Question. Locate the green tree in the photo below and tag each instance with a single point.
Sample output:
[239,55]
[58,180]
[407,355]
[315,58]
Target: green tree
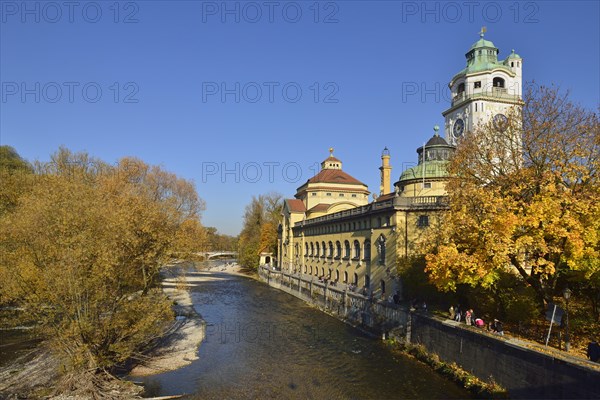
[259,231]
[15,178]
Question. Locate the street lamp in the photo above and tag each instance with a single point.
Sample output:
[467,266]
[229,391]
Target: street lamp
[567,296]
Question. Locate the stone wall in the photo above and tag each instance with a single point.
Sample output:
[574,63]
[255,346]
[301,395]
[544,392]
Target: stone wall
[524,372]
[376,315]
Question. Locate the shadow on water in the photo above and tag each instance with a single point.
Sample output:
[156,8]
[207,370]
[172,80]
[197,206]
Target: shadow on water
[263,343]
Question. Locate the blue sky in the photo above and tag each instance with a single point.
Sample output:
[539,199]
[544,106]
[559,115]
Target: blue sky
[245,98]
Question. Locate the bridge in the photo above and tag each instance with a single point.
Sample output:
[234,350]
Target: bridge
[219,253]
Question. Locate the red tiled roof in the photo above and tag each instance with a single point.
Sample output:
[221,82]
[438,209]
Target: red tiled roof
[386,196]
[295,205]
[334,176]
[320,207]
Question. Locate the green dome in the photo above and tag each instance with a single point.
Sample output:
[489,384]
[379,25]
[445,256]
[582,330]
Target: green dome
[433,169]
[482,43]
[513,55]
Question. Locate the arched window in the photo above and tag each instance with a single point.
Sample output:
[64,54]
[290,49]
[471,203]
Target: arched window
[381,249]
[337,275]
[324,249]
[311,270]
[318,248]
[382,284]
[367,250]
[322,271]
[355,279]
[338,249]
[330,250]
[346,249]
[461,88]
[305,269]
[305,249]
[345,276]
[367,281]
[312,249]
[357,249]
[498,82]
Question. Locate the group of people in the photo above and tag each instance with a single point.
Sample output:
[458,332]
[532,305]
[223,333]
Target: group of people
[470,318]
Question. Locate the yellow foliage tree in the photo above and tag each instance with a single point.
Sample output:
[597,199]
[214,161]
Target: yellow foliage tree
[82,249]
[523,198]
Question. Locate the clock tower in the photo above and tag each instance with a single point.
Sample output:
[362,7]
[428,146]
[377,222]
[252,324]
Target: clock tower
[485,89]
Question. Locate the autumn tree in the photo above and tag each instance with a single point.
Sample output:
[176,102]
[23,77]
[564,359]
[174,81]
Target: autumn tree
[82,249]
[15,178]
[523,199]
[259,231]
[218,241]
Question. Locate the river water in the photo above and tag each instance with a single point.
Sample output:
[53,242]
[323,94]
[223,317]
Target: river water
[262,343]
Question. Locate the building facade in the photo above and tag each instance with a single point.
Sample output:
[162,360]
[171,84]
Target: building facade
[330,229]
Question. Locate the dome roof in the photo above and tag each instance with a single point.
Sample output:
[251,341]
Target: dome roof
[433,170]
[513,55]
[436,140]
[482,43]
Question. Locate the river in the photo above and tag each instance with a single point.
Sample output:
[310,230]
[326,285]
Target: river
[263,343]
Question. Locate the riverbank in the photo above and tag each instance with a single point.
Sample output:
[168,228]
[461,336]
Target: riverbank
[180,346]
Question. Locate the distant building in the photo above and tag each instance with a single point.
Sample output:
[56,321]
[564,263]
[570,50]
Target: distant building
[331,230]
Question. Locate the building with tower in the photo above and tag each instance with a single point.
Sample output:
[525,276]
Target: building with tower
[330,229]
[485,89]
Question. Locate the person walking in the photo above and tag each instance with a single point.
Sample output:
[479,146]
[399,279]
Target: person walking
[468,316]
[457,311]
[593,351]
[451,312]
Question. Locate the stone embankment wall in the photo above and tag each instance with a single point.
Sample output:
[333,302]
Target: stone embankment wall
[524,372]
[354,308]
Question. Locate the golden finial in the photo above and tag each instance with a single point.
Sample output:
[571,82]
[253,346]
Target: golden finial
[482,31]
[331,151]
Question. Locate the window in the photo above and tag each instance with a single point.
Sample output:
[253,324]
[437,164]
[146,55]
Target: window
[367,250]
[367,281]
[427,185]
[475,107]
[498,82]
[337,275]
[477,85]
[338,249]
[318,250]
[423,221]
[313,194]
[327,194]
[341,194]
[356,279]
[353,194]
[461,88]
[346,249]
[312,249]
[381,249]
[382,284]
[512,63]
[356,249]
[330,249]
[345,276]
